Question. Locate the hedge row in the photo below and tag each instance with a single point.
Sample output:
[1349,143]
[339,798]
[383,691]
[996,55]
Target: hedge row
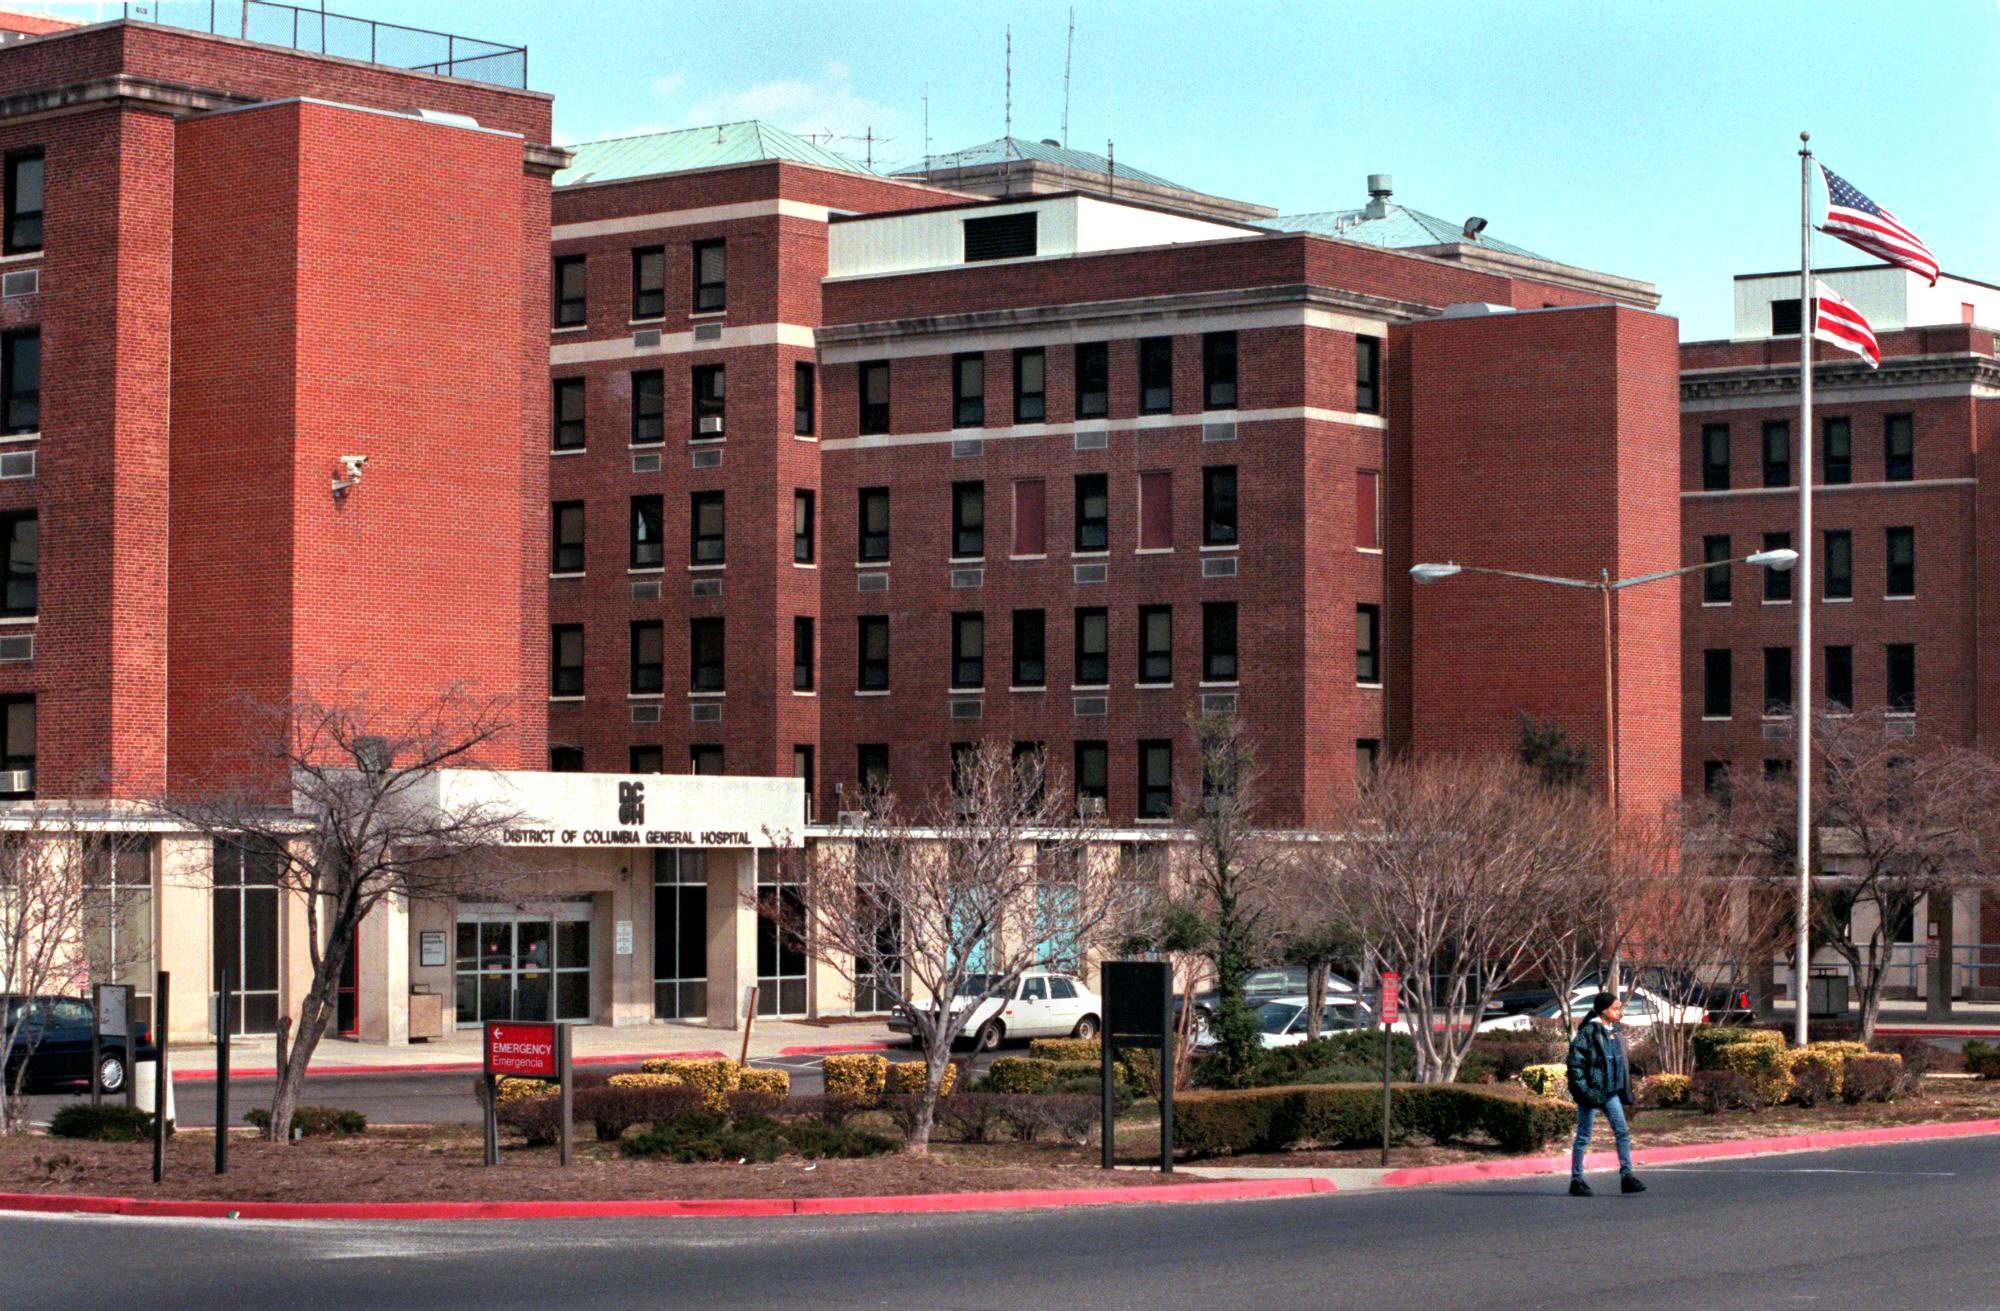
[1982,1058]
[865,1076]
[314,1121]
[1350,1115]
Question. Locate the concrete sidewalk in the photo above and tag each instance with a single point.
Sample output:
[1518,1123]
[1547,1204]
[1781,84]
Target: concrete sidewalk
[1969,1019]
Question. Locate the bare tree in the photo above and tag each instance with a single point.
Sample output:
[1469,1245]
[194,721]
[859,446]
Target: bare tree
[367,821]
[944,903]
[45,900]
[1310,920]
[1588,916]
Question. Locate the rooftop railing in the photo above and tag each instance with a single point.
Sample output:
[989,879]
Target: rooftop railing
[317,31]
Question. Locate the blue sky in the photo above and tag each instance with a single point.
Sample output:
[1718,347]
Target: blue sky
[1656,140]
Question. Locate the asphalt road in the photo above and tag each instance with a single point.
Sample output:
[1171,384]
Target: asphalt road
[1874,1229]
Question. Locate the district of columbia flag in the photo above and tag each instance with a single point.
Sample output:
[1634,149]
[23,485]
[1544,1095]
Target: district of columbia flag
[1839,324]
[1865,225]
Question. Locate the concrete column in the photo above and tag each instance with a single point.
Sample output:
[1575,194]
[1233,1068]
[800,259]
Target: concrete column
[636,970]
[182,935]
[732,935]
[384,978]
[1938,972]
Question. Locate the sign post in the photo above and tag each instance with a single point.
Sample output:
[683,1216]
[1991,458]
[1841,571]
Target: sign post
[160,1074]
[1389,1000]
[525,1051]
[222,1077]
[1138,1012]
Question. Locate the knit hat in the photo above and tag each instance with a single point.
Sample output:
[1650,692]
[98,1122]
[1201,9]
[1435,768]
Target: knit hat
[1601,1003]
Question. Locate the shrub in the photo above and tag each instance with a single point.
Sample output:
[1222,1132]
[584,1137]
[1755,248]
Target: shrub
[1350,1115]
[1512,1057]
[1708,1040]
[314,1121]
[817,1141]
[1067,1051]
[755,1079]
[1021,1074]
[907,1077]
[1871,1079]
[1921,1057]
[1716,1091]
[977,1117]
[854,1074]
[111,1122]
[1546,1080]
[537,1119]
[1662,1091]
[829,1110]
[1982,1058]
[1282,1066]
[1814,1082]
[510,1089]
[1138,1068]
[1766,1066]
[752,1101]
[715,1077]
[616,1107]
[1072,1117]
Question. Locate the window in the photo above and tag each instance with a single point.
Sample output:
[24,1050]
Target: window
[802,527]
[968,649]
[649,550]
[568,414]
[1156,644]
[649,656]
[1368,644]
[649,282]
[21,360]
[1901,546]
[1218,505]
[24,203]
[1093,380]
[871,766]
[1785,319]
[872,645]
[1218,641]
[968,520]
[1218,371]
[802,653]
[1715,578]
[566,660]
[646,760]
[802,768]
[705,519]
[118,913]
[805,389]
[874,540]
[872,387]
[1003,236]
[1840,677]
[711,267]
[17,539]
[1837,452]
[1093,647]
[1368,375]
[569,291]
[1839,564]
[1899,448]
[1777,453]
[705,654]
[964,764]
[17,741]
[1093,771]
[1156,375]
[566,537]
[707,380]
[1156,778]
[1902,668]
[1715,684]
[1031,535]
[1030,649]
[1156,511]
[1367,510]
[1093,512]
[1714,778]
[565,760]
[1777,582]
[1777,768]
[1367,754]
[244,904]
[1777,680]
[1031,385]
[705,758]
[649,408]
[1715,457]
[680,934]
[968,390]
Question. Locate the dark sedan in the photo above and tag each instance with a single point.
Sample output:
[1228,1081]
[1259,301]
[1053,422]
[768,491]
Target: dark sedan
[52,1037]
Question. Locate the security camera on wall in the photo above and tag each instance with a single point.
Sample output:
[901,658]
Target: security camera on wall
[352,466]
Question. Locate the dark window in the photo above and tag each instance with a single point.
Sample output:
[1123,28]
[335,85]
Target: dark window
[649,549]
[1785,321]
[1777,582]
[568,414]
[1004,236]
[874,539]
[1031,536]
[802,768]
[569,291]
[707,380]
[1093,771]
[1218,641]
[649,407]
[968,390]
[1367,643]
[804,399]
[1777,453]
[649,282]
[1899,448]
[1218,371]
[1030,648]
[1156,510]
[1714,457]
[1368,375]
[1840,676]
[1093,647]
[21,360]
[1031,385]
[1715,578]
[802,653]
[705,758]
[1839,564]
[1093,512]
[705,519]
[1716,689]
[1156,779]
[1156,644]
[1367,754]
[1156,375]
[649,656]
[1901,546]
[1093,380]
[705,654]
[871,766]
[803,549]
[24,202]
[1837,452]
[1777,680]
[647,760]
[566,537]
[968,649]
[566,760]
[1778,768]
[1902,667]
[1218,505]
[17,538]
[711,268]
[566,660]
[872,386]
[1714,778]
[968,520]
[872,665]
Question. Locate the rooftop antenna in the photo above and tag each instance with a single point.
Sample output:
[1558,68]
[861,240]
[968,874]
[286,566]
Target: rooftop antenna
[927,127]
[1110,168]
[1007,134]
[1069,50]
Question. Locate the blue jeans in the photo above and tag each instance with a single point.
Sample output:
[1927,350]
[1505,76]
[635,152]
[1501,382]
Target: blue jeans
[1614,1111]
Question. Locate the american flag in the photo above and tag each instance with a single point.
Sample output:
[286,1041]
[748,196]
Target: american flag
[1863,224]
[1840,324]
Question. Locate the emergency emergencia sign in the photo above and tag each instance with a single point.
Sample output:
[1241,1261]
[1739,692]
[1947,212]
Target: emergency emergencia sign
[523,1050]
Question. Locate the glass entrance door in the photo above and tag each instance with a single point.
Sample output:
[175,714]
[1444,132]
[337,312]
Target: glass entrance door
[523,965]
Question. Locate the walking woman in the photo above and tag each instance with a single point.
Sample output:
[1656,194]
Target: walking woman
[1600,1080]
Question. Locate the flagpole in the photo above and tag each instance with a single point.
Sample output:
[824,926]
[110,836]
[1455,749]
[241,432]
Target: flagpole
[1802,699]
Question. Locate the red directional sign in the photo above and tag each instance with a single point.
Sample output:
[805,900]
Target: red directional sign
[1392,995]
[524,1050]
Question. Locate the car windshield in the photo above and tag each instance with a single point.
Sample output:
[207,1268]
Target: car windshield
[977,985]
[1277,1016]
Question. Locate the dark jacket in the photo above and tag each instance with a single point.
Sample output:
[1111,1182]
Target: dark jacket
[1597,1073]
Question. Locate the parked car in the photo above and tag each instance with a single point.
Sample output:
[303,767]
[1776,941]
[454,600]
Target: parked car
[1039,1005]
[1261,986]
[1643,1009]
[53,1040]
[1281,1022]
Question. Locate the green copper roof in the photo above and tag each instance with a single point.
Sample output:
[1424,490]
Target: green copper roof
[1005,148]
[695,147]
[1399,229]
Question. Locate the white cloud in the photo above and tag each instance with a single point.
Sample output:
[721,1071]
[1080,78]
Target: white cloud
[826,103]
[669,84]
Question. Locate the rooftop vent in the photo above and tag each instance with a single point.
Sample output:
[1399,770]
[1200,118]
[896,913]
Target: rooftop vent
[1051,141]
[1473,227]
[1380,187]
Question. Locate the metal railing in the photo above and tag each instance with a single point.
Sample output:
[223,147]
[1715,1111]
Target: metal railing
[317,31]
[1974,966]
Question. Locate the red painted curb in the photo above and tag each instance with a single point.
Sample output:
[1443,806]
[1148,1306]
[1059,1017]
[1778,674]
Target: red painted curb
[1226,1190]
[439,1067]
[837,1049]
[1938,1030]
[1800,1142]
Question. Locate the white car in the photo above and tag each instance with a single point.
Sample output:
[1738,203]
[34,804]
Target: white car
[1644,1008]
[1281,1022]
[1039,1005]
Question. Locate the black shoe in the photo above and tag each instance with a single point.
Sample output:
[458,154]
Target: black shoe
[1630,1184]
[1578,1188]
